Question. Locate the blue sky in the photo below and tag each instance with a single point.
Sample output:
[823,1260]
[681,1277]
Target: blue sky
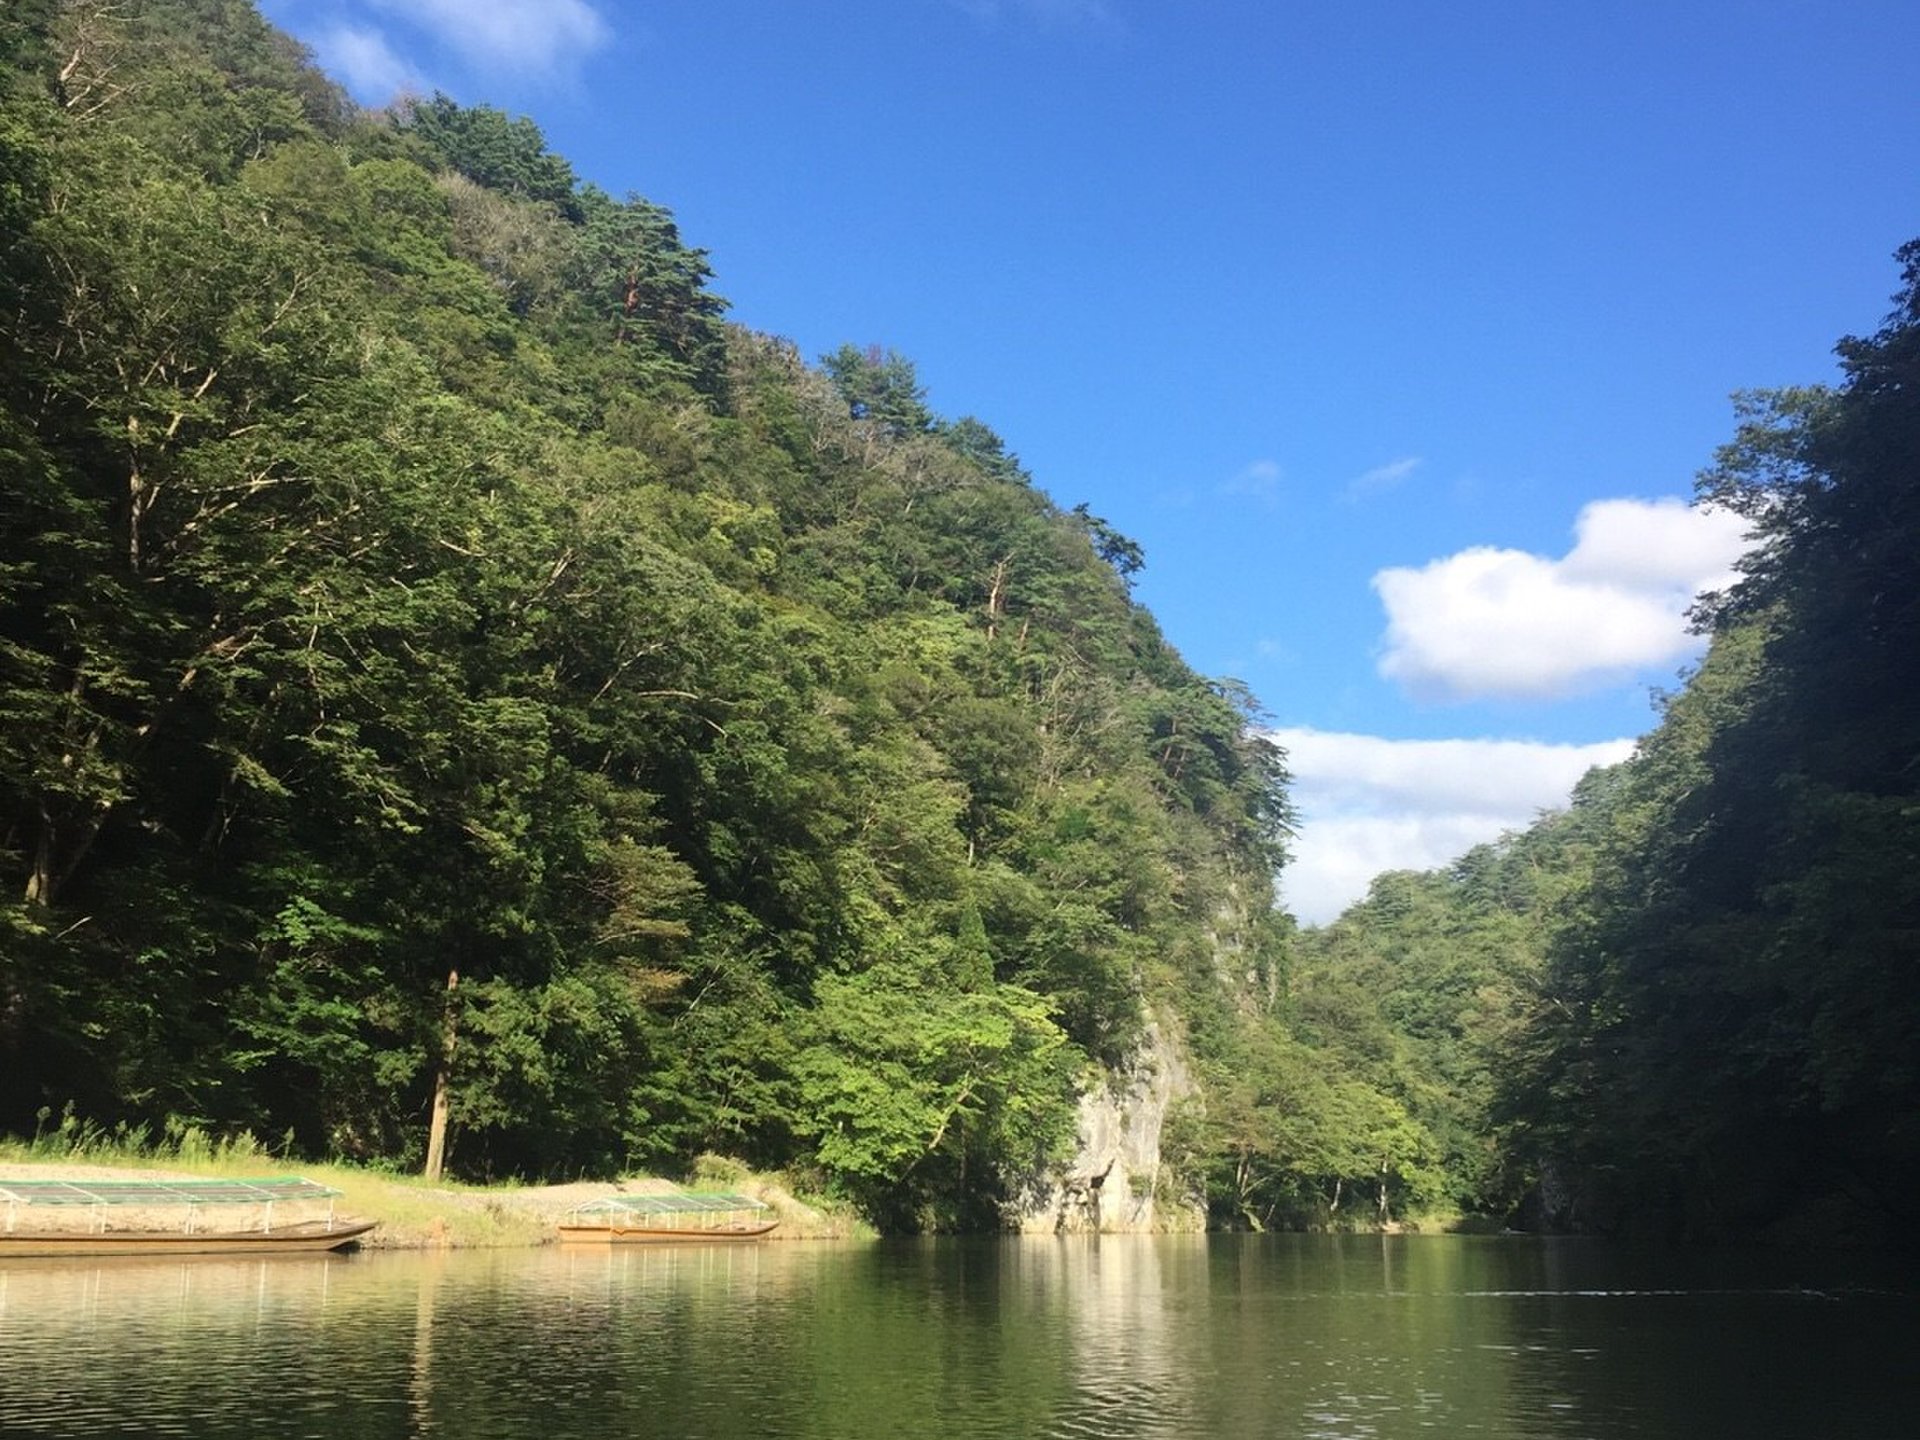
[1394,332]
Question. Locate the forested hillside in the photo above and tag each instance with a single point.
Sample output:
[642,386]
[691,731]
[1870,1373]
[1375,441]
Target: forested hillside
[1426,987]
[464,704]
[1691,1004]
[447,673]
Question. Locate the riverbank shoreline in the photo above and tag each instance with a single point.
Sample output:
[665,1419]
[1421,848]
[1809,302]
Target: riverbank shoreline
[412,1214]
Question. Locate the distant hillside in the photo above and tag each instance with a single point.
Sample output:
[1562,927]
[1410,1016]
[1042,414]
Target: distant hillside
[1691,1005]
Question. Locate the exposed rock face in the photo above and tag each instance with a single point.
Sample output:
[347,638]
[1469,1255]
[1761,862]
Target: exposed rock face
[1115,1183]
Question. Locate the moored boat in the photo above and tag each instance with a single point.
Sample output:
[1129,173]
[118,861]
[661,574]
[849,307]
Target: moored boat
[683,1217]
[46,1218]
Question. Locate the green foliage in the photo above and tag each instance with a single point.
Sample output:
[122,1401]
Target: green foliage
[1423,988]
[494,150]
[25,39]
[1124,555]
[881,389]
[904,1074]
[1292,1133]
[644,290]
[1732,1021]
[435,648]
[1688,1005]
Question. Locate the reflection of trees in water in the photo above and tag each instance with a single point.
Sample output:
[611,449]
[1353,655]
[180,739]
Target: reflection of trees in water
[420,1373]
[1134,1364]
[1218,1336]
[135,1346]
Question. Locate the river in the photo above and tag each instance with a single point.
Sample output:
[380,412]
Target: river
[1224,1335]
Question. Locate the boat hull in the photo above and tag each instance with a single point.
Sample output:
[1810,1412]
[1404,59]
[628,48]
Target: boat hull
[288,1239]
[663,1235]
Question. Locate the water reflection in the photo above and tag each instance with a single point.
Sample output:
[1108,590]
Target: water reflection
[1087,1335]
[132,1346]
[1127,1349]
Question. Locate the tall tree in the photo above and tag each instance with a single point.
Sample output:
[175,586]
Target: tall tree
[1739,1007]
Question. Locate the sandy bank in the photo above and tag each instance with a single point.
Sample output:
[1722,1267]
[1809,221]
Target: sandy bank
[415,1215]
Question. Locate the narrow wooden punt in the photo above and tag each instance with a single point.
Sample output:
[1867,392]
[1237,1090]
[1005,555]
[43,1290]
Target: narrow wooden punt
[309,1236]
[684,1217]
[87,1208]
[619,1234]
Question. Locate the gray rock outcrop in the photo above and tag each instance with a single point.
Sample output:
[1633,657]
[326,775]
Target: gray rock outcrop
[1116,1181]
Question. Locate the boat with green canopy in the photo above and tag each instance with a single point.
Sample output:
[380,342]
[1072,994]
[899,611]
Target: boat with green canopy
[682,1217]
[171,1217]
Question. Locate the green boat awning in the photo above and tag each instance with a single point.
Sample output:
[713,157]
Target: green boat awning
[684,1202]
[163,1192]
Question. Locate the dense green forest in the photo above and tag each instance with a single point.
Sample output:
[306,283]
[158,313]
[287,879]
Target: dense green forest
[448,672]
[1690,1004]
[464,703]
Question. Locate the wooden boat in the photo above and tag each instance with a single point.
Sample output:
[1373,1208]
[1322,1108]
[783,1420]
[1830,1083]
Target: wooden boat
[85,1210]
[681,1218]
[286,1239]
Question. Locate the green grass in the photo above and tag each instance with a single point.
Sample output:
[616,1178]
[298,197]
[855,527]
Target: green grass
[412,1213]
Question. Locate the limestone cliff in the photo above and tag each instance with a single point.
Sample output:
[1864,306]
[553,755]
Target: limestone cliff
[1115,1182]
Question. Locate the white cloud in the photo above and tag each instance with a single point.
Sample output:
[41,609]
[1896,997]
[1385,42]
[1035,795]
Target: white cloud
[1494,622]
[1658,545]
[536,37]
[1259,478]
[1383,477]
[1368,804]
[366,63]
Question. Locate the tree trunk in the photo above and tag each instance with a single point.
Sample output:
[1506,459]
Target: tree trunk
[40,877]
[443,1081]
[996,596]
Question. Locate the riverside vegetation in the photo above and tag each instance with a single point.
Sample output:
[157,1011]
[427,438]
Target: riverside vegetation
[465,705]
[413,1213]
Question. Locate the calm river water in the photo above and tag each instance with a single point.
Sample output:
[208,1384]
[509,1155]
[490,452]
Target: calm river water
[1228,1336]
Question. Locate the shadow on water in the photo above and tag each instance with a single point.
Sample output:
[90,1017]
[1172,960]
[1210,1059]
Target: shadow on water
[1112,1336]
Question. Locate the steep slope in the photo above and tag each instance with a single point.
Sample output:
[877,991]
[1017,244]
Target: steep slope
[1691,1005]
[462,702]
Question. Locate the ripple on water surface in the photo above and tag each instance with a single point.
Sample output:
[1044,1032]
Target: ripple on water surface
[1176,1336]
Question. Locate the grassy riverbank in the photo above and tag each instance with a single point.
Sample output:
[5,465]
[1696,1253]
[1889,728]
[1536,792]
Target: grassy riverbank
[413,1214]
